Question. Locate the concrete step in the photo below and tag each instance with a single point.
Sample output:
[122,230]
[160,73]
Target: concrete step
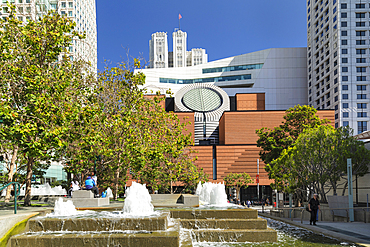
[214,214]
[231,235]
[153,223]
[244,224]
[154,239]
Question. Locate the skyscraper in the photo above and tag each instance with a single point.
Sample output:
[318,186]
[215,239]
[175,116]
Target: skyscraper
[160,57]
[338,59]
[82,12]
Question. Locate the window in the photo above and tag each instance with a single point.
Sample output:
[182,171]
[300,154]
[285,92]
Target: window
[336,125]
[70,13]
[344,60]
[360,33]
[344,78]
[344,42]
[335,80]
[361,105]
[360,42]
[345,96]
[360,60]
[360,24]
[20,18]
[344,51]
[343,6]
[64,5]
[343,24]
[344,33]
[335,89]
[361,114]
[361,69]
[360,6]
[336,98]
[362,126]
[345,105]
[360,51]
[361,78]
[344,69]
[345,114]
[335,72]
[360,15]
[70,4]
[361,87]
[345,123]
[344,87]
[342,15]
[336,107]
[328,103]
[361,96]
[62,12]
[20,10]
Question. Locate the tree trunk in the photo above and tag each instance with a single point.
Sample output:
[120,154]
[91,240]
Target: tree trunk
[116,184]
[344,188]
[11,173]
[27,196]
[171,188]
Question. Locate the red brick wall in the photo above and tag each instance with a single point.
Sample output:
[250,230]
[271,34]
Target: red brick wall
[250,101]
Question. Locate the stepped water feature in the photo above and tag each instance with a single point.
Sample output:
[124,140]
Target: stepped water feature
[138,224]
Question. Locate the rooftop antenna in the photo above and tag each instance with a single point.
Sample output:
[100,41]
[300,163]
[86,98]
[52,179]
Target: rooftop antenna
[179,21]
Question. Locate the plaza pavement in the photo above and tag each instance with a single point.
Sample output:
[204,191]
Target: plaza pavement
[355,232]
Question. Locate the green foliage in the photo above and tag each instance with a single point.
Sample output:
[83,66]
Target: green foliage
[296,120]
[318,161]
[41,88]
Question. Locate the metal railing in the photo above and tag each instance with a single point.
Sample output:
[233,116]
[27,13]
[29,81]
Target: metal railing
[281,213]
[17,191]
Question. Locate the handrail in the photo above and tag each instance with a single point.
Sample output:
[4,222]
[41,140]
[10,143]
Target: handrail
[17,191]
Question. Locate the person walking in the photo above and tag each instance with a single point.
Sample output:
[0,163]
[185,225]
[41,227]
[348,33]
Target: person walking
[313,207]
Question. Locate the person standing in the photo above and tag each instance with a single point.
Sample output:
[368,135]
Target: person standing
[74,186]
[313,207]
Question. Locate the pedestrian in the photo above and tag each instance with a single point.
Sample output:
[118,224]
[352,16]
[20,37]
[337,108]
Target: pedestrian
[249,203]
[91,185]
[313,207]
[74,186]
[95,178]
[267,202]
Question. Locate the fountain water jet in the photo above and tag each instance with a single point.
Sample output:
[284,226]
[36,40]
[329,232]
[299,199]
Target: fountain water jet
[212,193]
[138,201]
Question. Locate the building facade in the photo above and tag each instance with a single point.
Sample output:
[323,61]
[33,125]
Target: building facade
[338,59]
[279,73]
[160,57]
[82,12]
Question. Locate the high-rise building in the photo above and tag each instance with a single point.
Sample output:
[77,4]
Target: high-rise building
[80,11]
[158,50]
[338,59]
[160,57]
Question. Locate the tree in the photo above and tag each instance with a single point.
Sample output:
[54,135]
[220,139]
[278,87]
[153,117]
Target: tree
[317,161]
[296,120]
[41,88]
[238,180]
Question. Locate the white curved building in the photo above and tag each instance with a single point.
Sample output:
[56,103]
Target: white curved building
[279,73]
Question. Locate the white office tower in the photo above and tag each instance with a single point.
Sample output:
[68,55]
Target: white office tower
[158,50]
[338,59]
[179,48]
[83,12]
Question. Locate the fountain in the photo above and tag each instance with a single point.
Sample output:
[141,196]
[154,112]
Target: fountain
[44,190]
[138,224]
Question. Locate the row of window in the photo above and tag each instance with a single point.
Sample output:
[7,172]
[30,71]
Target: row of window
[233,68]
[361,126]
[357,5]
[19,1]
[64,4]
[206,80]
[359,87]
[346,114]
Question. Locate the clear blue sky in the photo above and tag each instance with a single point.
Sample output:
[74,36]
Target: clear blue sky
[223,27]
